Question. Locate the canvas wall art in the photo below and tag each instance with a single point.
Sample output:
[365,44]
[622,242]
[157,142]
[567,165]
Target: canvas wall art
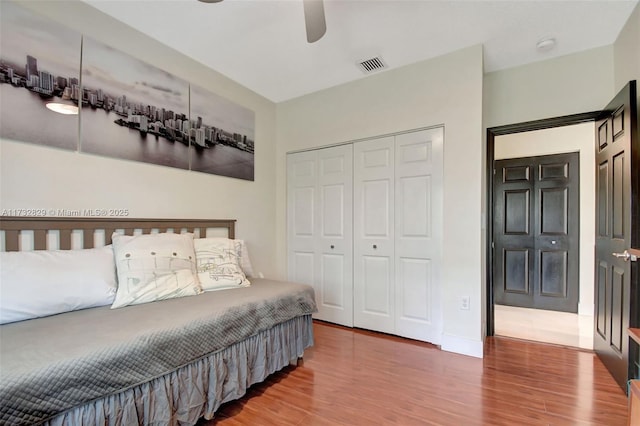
[222,135]
[132,110]
[129,109]
[39,64]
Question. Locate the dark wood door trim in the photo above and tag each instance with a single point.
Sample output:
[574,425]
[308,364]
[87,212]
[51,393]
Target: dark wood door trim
[492,132]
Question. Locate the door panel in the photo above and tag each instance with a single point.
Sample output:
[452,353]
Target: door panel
[517,173]
[334,244]
[536,232]
[374,234]
[602,196]
[418,234]
[332,207]
[414,292]
[553,211]
[301,216]
[301,267]
[332,281]
[377,285]
[554,171]
[603,297]
[319,215]
[303,212]
[617,307]
[414,194]
[516,271]
[617,182]
[516,212]
[554,269]
[618,195]
[376,196]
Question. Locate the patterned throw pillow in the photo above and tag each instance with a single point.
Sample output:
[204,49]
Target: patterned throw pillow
[154,267]
[218,264]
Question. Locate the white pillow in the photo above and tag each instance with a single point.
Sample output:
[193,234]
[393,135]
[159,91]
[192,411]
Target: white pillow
[46,282]
[218,262]
[154,267]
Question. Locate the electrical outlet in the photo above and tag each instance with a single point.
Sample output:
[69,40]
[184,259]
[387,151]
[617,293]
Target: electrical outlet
[465,303]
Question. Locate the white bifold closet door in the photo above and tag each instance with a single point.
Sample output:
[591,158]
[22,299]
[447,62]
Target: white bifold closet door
[373,208]
[320,233]
[419,237]
[398,234]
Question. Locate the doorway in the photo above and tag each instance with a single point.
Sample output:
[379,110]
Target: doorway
[544,138]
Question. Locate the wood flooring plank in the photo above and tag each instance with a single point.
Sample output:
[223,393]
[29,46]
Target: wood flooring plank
[355,377]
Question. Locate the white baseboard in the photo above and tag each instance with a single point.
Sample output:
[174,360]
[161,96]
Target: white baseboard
[462,345]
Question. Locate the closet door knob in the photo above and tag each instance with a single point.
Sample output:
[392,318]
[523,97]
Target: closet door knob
[375,246]
[332,246]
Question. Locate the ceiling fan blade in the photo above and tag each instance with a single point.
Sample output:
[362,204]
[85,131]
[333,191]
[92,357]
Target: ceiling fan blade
[314,19]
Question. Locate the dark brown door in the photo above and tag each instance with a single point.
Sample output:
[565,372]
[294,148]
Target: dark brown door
[617,222]
[536,232]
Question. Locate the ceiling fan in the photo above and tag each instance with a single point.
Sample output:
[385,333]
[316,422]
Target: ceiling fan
[313,18]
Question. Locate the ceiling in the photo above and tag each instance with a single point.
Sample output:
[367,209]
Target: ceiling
[262,45]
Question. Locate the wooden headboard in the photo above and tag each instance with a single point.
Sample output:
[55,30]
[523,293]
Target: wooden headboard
[64,227]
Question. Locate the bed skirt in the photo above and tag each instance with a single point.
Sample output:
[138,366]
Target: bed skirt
[198,389]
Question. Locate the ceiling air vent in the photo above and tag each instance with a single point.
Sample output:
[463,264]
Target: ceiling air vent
[371,65]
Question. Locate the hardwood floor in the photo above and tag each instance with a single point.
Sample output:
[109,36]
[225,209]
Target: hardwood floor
[355,377]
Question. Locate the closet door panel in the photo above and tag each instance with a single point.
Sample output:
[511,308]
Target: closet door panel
[418,234]
[301,216]
[374,270]
[414,289]
[334,245]
[302,267]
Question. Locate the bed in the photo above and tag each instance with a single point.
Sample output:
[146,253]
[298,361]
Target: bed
[166,362]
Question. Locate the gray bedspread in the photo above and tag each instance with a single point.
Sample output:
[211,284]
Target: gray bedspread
[51,364]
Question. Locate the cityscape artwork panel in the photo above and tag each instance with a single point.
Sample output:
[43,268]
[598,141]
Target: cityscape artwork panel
[128,109]
[132,110]
[39,64]
[222,135]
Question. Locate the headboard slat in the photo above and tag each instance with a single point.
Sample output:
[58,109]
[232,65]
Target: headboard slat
[108,232]
[87,238]
[11,240]
[40,239]
[13,225]
[65,239]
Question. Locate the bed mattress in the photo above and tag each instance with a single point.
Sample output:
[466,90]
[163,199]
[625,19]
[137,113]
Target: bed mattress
[52,364]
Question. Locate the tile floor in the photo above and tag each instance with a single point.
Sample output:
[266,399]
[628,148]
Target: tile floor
[560,328]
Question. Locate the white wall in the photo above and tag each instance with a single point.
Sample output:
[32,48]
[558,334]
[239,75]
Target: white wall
[38,177]
[446,90]
[576,138]
[626,51]
[571,84]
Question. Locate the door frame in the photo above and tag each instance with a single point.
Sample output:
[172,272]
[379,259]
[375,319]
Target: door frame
[492,132]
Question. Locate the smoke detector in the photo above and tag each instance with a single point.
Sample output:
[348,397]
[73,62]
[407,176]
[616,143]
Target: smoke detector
[546,44]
